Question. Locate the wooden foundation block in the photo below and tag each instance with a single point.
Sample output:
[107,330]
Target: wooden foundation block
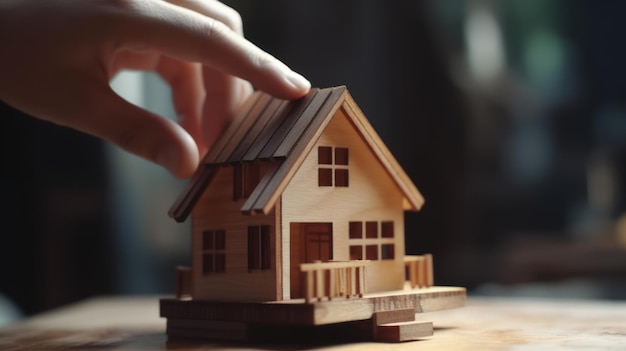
[403,331]
[393,316]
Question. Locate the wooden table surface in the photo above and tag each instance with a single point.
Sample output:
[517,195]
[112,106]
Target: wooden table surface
[132,323]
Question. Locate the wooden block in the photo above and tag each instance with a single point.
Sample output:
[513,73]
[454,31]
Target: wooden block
[403,331]
[394,316]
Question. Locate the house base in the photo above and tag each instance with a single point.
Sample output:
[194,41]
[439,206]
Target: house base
[388,317]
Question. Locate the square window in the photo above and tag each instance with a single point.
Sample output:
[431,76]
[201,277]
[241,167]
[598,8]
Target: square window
[386,229]
[325,155]
[325,177]
[356,252]
[341,156]
[371,252]
[259,250]
[207,240]
[341,177]
[220,240]
[356,230]
[371,229]
[387,252]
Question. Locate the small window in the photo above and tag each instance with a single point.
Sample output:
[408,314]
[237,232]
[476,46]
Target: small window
[356,252]
[325,176]
[371,229]
[259,247]
[329,166]
[341,177]
[356,230]
[387,252]
[213,255]
[325,155]
[371,252]
[341,156]
[246,177]
[387,229]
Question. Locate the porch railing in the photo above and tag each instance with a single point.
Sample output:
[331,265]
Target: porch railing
[419,270]
[333,279]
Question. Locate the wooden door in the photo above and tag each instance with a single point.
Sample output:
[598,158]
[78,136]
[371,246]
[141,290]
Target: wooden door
[310,242]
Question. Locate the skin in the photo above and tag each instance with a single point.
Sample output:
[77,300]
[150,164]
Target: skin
[58,57]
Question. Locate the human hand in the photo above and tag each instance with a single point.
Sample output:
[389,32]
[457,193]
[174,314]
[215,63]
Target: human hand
[58,57]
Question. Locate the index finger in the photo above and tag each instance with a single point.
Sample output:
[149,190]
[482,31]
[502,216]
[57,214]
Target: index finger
[187,35]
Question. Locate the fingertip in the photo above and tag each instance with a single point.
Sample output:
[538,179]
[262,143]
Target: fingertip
[286,84]
[298,84]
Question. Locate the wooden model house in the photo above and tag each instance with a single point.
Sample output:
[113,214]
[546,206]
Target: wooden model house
[300,204]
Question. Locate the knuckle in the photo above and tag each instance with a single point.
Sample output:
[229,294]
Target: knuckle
[216,29]
[233,20]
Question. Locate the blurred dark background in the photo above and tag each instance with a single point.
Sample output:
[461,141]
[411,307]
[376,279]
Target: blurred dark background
[509,116]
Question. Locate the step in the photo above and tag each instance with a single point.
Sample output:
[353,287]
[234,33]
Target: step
[403,331]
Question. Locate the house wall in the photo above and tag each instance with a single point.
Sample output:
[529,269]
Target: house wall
[371,196]
[217,210]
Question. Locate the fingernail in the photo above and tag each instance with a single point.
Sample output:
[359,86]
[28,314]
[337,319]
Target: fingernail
[168,157]
[297,81]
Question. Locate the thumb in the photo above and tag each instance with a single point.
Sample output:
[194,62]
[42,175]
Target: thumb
[141,132]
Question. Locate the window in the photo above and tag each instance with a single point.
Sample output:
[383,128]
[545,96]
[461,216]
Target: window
[371,252]
[387,252]
[356,252]
[333,167]
[371,230]
[213,251]
[246,177]
[356,230]
[387,229]
[371,240]
[258,247]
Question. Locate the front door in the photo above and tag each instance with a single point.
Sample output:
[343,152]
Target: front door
[310,242]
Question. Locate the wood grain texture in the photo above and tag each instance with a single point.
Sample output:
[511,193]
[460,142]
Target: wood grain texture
[413,196]
[371,196]
[217,211]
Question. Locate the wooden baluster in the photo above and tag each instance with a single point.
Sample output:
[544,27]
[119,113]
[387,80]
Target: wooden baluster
[430,279]
[319,281]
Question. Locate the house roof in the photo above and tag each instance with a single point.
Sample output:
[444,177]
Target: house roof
[271,129]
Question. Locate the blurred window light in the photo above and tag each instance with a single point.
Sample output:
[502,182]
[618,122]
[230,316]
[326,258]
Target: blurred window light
[485,50]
